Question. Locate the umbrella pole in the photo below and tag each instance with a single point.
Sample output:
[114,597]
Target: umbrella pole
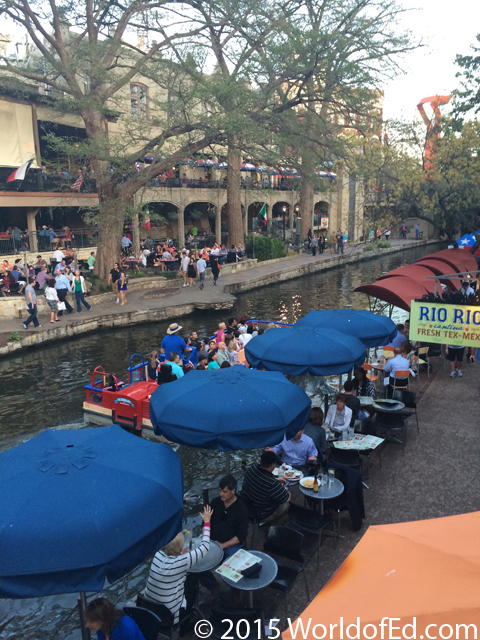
[82,606]
[227,462]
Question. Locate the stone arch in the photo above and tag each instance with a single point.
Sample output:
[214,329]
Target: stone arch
[321,210]
[204,221]
[254,222]
[169,212]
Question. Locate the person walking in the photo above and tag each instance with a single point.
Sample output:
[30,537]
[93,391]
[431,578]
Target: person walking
[79,288]
[321,243]
[339,241]
[122,287]
[62,285]
[31,300]
[215,268]
[113,277]
[184,262]
[192,272]
[51,296]
[455,354]
[404,231]
[201,267]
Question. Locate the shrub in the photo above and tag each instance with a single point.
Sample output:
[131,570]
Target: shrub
[370,247]
[14,337]
[264,248]
[383,244]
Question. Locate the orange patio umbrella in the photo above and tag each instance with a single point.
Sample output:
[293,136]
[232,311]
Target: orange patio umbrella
[421,573]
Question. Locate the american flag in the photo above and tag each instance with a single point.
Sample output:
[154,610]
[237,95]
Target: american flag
[77,185]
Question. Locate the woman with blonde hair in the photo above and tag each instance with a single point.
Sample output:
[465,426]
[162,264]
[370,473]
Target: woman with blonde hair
[221,332]
[232,352]
[170,565]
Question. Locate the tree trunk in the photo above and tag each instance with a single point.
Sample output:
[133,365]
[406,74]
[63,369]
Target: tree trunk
[306,206]
[135,234]
[111,213]
[235,223]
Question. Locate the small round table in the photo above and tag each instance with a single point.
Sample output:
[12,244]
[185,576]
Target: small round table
[213,557]
[389,405]
[325,491]
[267,575]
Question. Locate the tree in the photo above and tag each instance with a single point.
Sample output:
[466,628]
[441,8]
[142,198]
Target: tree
[88,69]
[467,98]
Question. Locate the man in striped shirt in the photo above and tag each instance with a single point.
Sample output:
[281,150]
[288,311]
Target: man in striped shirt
[268,495]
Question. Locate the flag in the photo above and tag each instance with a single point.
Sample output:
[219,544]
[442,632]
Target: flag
[20,173]
[147,224]
[77,185]
[263,213]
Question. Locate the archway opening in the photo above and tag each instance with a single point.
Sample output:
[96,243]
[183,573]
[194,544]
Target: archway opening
[199,218]
[321,216]
[163,220]
[255,222]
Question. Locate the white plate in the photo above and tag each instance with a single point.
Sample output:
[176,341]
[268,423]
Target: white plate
[303,480]
[287,467]
[298,476]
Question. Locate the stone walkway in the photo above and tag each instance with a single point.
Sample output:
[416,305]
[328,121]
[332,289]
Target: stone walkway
[183,301]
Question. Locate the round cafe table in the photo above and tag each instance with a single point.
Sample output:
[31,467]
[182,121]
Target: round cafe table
[213,557]
[267,575]
[325,491]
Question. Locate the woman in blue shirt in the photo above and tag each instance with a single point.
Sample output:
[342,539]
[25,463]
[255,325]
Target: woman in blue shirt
[110,623]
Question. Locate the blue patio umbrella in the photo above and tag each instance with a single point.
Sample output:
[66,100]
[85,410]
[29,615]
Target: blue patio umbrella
[81,506]
[304,351]
[229,409]
[371,329]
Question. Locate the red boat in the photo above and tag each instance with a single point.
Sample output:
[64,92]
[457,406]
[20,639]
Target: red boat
[112,401]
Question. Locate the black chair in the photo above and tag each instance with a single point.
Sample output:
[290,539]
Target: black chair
[309,521]
[286,543]
[165,374]
[350,458]
[409,399]
[228,622]
[148,622]
[389,424]
[253,518]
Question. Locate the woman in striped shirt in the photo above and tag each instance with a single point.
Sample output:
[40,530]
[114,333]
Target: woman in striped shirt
[166,581]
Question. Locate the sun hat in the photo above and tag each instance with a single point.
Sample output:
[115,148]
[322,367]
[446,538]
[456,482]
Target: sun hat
[173,328]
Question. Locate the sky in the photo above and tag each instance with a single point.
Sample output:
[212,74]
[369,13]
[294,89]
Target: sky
[445,28]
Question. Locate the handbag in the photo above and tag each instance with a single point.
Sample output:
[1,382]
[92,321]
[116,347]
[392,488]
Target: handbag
[61,306]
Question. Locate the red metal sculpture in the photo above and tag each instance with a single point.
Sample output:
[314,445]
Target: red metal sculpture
[433,128]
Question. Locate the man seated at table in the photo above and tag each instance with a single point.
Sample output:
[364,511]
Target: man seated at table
[399,338]
[297,451]
[267,494]
[339,416]
[229,524]
[353,402]
[397,363]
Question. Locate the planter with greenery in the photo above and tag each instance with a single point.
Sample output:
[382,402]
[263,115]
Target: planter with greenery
[264,248]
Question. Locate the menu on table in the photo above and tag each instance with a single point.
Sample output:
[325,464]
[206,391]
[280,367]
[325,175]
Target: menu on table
[238,562]
[359,443]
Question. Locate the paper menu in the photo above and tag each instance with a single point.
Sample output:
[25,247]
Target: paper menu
[359,443]
[238,562]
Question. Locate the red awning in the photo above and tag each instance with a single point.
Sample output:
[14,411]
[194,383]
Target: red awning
[420,274]
[459,259]
[397,290]
[439,268]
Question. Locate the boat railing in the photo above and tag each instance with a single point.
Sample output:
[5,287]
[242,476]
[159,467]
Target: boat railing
[138,372]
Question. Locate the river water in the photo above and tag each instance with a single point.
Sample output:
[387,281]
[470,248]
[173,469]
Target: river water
[43,388]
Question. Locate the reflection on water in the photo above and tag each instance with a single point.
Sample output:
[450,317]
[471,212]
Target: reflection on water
[43,388]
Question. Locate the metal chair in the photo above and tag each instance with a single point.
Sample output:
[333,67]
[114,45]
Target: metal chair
[401,374]
[409,399]
[148,622]
[253,518]
[286,543]
[309,521]
[390,423]
[153,617]
[370,375]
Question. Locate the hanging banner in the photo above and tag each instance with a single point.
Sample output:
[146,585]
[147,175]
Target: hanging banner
[324,222]
[457,325]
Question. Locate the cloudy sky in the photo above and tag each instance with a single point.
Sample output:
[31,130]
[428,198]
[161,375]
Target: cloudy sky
[445,28]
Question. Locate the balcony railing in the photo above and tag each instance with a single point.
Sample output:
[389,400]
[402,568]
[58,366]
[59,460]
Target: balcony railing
[292,185]
[11,242]
[36,181]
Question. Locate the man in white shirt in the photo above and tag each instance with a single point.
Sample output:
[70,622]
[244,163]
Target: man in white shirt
[201,266]
[58,255]
[398,363]
[467,289]
[185,261]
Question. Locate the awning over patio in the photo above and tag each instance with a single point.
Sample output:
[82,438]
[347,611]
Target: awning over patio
[397,290]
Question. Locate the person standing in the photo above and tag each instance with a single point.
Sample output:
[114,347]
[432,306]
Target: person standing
[214,267]
[125,244]
[387,234]
[404,231]
[309,238]
[321,243]
[79,288]
[122,287]
[51,296]
[31,300]
[454,354]
[417,231]
[91,260]
[201,267]
[62,285]
[192,272]
[112,279]
[339,241]
[184,262]
[314,245]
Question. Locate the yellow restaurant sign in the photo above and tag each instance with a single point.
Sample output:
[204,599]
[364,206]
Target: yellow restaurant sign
[455,324]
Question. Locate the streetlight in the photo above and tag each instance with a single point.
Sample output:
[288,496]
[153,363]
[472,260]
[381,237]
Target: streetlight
[283,218]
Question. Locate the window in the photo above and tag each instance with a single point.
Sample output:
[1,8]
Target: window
[138,101]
